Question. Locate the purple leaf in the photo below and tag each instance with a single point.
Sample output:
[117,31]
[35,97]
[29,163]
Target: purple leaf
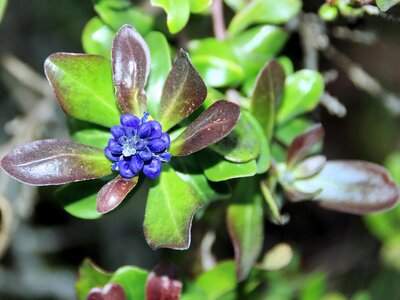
[130,66]
[111,291]
[212,125]
[52,162]
[356,187]
[267,95]
[184,91]
[301,146]
[163,283]
[112,194]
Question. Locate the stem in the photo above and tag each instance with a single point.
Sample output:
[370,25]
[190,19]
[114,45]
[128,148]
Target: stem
[217,14]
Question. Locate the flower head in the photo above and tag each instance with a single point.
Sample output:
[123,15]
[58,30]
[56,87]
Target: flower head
[138,145]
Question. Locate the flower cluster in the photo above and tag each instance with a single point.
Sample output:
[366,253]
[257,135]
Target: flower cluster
[138,145]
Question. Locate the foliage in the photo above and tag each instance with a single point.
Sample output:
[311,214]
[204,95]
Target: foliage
[233,114]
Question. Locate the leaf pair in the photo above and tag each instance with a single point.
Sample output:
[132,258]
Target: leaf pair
[128,283]
[356,187]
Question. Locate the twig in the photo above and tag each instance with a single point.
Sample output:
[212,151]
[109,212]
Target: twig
[217,14]
[333,105]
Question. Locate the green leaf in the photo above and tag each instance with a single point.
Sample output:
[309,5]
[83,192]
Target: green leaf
[197,6]
[184,91]
[130,59]
[328,12]
[178,12]
[264,159]
[133,280]
[384,5]
[216,62]
[254,47]
[92,137]
[245,225]
[205,193]
[302,92]
[53,162]
[392,163]
[287,132]
[314,286]
[217,169]
[80,198]
[160,65]
[170,208]
[242,144]
[267,95]
[272,203]
[224,275]
[3,6]
[264,11]
[83,87]
[115,17]
[236,5]
[356,187]
[89,277]
[97,38]
[215,123]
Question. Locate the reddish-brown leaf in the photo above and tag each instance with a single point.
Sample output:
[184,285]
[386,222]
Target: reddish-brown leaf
[184,91]
[267,95]
[212,125]
[163,283]
[110,291]
[130,66]
[356,187]
[52,162]
[301,146]
[112,194]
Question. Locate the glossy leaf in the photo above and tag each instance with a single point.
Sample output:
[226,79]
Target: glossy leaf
[236,5]
[52,162]
[113,193]
[115,16]
[197,6]
[242,144]
[92,137]
[131,66]
[90,276]
[287,132]
[178,12]
[184,91]
[216,62]
[163,283]
[97,38]
[187,169]
[80,198]
[264,11]
[83,87]
[170,208]
[217,169]
[264,159]
[302,92]
[384,5]
[244,220]
[352,186]
[257,45]
[224,275]
[212,125]
[267,96]
[133,280]
[302,145]
[160,66]
[110,291]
